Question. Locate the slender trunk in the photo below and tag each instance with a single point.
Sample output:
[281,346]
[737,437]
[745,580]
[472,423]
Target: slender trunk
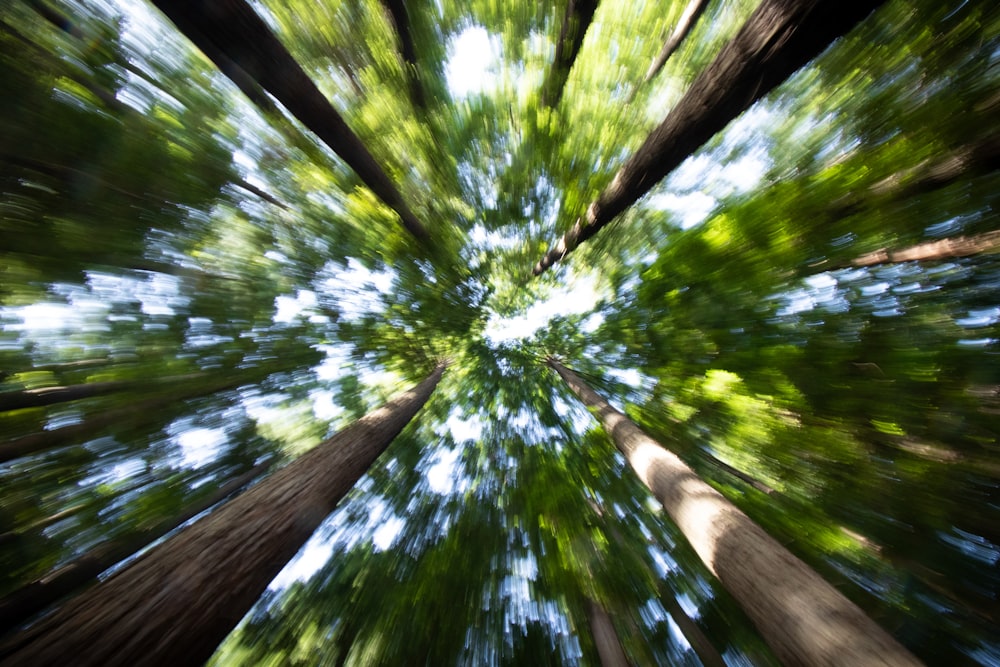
[400,20]
[579,14]
[738,474]
[174,604]
[685,24]
[270,199]
[609,647]
[950,248]
[231,34]
[37,398]
[136,413]
[779,37]
[703,648]
[804,619]
[18,607]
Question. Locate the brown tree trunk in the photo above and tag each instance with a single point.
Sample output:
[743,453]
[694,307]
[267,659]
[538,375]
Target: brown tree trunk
[779,37]
[609,647]
[804,619]
[37,398]
[579,14]
[685,24]
[231,34]
[950,248]
[703,648]
[18,607]
[174,604]
[136,413]
[396,11]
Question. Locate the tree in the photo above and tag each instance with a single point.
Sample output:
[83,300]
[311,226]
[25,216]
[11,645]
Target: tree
[780,37]
[177,602]
[687,21]
[19,606]
[771,584]
[400,21]
[579,14]
[237,40]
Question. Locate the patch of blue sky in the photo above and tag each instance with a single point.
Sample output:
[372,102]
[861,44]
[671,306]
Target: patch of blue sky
[579,295]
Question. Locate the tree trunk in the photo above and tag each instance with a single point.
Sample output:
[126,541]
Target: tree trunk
[579,14]
[37,398]
[231,34]
[136,413]
[950,248]
[804,619]
[396,11]
[703,648]
[685,24]
[779,37]
[174,604]
[609,647]
[19,606]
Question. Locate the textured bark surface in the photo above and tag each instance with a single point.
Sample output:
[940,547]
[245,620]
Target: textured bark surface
[18,607]
[609,647]
[579,14]
[174,604]
[779,37]
[231,34]
[685,24]
[804,619]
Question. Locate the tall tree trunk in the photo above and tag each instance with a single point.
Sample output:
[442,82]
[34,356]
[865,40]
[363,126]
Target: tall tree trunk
[779,37]
[19,606]
[804,619]
[396,12]
[37,398]
[136,413]
[174,604]
[930,251]
[609,647]
[231,34]
[579,14]
[685,24]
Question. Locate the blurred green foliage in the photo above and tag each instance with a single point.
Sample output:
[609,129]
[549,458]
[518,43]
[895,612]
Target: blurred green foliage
[156,224]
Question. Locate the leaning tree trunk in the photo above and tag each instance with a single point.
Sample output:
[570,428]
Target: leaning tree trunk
[174,605]
[683,28]
[930,251]
[400,19]
[135,413]
[19,606]
[37,398]
[609,647]
[579,14]
[779,37]
[804,619]
[231,34]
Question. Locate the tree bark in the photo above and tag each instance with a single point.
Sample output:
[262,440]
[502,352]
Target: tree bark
[950,248]
[609,647]
[804,619]
[231,34]
[396,11]
[579,14]
[779,37]
[19,606]
[685,24]
[37,398]
[174,604]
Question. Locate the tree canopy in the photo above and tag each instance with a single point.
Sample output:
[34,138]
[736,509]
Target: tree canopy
[789,280]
